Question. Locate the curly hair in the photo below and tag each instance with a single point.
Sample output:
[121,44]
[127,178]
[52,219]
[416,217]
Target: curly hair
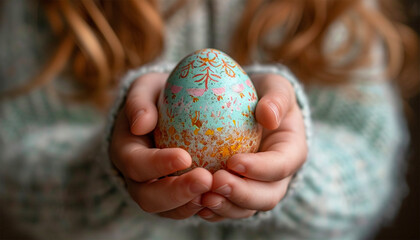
[102,39]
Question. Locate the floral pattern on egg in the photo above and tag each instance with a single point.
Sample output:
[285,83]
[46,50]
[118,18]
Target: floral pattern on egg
[207,108]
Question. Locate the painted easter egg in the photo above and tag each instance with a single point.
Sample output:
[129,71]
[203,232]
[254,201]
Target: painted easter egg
[207,108]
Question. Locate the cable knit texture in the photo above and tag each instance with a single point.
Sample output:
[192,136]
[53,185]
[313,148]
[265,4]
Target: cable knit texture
[56,181]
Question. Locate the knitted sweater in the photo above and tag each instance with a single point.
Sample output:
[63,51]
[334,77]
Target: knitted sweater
[56,181]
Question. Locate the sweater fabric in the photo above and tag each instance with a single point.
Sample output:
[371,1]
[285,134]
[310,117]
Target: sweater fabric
[57,182]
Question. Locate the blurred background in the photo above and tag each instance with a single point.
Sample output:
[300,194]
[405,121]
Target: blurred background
[407,223]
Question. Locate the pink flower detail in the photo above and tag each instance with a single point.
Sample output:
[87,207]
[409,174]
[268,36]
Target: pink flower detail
[249,83]
[175,89]
[218,91]
[238,88]
[196,92]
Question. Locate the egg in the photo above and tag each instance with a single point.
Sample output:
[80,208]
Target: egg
[207,108]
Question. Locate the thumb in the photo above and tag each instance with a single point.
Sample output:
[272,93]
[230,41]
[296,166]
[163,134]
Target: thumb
[277,99]
[140,106]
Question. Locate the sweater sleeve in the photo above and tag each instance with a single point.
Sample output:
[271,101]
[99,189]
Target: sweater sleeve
[49,179]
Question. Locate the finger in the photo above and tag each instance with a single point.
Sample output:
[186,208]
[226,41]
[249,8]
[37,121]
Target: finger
[247,193]
[170,192]
[142,164]
[209,215]
[133,156]
[185,211]
[277,98]
[140,106]
[282,152]
[222,207]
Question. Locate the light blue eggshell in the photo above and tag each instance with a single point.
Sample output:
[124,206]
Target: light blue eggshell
[207,108]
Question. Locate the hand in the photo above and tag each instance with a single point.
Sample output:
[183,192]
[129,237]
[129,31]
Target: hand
[266,174]
[143,167]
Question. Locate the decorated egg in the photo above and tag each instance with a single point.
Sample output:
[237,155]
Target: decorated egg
[207,108]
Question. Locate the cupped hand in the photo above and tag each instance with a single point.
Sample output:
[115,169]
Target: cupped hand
[258,181]
[145,168]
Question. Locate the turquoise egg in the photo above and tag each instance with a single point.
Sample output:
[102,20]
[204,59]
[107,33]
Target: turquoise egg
[207,108]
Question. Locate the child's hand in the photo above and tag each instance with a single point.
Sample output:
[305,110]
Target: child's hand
[267,173]
[131,151]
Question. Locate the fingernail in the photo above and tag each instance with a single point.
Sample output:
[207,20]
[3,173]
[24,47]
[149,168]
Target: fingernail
[179,163]
[224,190]
[275,111]
[217,206]
[239,168]
[198,188]
[208,216]
[195,203]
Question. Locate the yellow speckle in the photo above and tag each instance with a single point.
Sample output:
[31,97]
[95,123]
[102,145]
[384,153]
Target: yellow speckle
[234,122]
[219,129]
[235,147]
[196,131]
[209,132]
[224,151]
